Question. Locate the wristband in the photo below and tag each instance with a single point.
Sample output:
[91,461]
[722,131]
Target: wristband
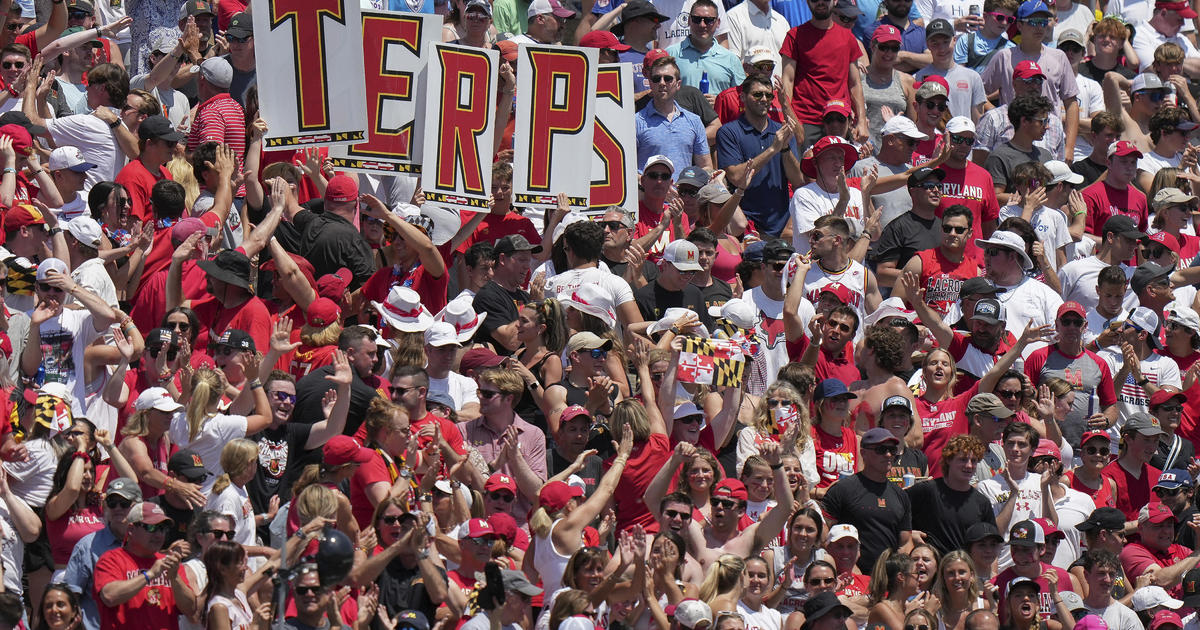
[114,124]
[55,231]
[255,384]
[37,172]
[9,169]
[81,455]
[147,576]
[1143,382]
[776,466]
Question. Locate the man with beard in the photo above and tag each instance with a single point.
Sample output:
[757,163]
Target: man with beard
[944,270]
[830,239]
[1025,299]
[974,352]
[1085,370]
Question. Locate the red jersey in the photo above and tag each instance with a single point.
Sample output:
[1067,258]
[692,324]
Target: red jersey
[1046,605]
[1133,492]
[629,497]
[837,455]
[853,585]
[1102,496]
[138,181]
[939,422]
[1104,201]
[928,148]
[308,358]
[823,58]
[942,278]
[972,187]
[432,290]
[494,227]
[729,105]
[251,316]
[648,219]
[152,608]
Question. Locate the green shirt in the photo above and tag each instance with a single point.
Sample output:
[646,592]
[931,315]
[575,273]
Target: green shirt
[510,17]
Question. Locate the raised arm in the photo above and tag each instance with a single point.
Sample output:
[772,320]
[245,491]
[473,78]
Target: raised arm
[336,422]
[931,318]
[568,534]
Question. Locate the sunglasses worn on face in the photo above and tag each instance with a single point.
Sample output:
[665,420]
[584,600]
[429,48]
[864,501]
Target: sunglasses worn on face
[889,48]
[779,265]
[598,353]
[956,229]
[885,449]
[614,226]
[285,397]
[777,402]
[688,191]
[487,394]
[663,78]
[1032,80]
[118,503]
[1001,18]
[1073,322]
[1170,408]
[155,528]
[1155,252]
[9,65]
[1155,96]
[243,40]
[820,581]
[391,519]
[658,177]
[227,534]
[683,516]
[1092,450]
[700,19]
[308,590]
[46,288]
[727,504]
[957,139]
[692,419]
[994,251]
[1011,395]
[1037,22]
[941,107]
[1165,492]
[506,497]
[929,186]
[761,96]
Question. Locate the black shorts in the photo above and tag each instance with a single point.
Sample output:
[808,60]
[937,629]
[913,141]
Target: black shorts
[37,553]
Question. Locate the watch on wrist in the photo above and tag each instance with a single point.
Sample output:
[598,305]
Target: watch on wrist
[55,230]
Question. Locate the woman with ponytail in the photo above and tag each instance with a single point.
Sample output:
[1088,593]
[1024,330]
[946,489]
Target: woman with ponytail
[239,460]
[227,607]
[893,582]
[340,458]
[542,331]
[556,527]
[203,429]
[723,584]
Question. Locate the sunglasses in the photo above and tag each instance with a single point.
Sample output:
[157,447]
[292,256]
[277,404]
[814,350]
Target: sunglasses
[1032,80]
[1040,121]
[391,519]
[118,503]
[688,191]
[955,229]
[995,251]
[658,177]
[910,626]
[940,106]
[225,351]
[957,139]
[662,78]
[1092,450]
[615,226]
[1170,408]
[761,96]
[46,288]
[845,19]
[9,65]
[1164,492]
[683,516]
[821,581]
[727,504]
[765,66]
[227,534]
[885,449]
[890,48]
[180,326]
[929,186]
[598,353]
[1038,461]
[487,394]
[506,497]
[155,528]
[777,402]
[482,541]
[243,40]
[780,265]
[1011,395]
[700,19]
[1001,18]
[1037,22]
[285,397]
[1155,96]
[1073,322]
[1154,252]
[308,590]
[692,419]
[78,15]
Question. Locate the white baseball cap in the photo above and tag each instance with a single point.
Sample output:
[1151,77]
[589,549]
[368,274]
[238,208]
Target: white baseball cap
[541,7]
[86,230]
[842,530]
[156,398]
[741,313]
[659,159]
[683,254]
[1060,172]
[69,158]
[902,125]
[51,264]
[441,334]
[960,124]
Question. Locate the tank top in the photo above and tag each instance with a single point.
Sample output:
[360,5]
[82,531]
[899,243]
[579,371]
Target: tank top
[527,408]
[853,276]
[724,264]
[942,278]
[549,563]
[159,455]
[239,610]
[876,95]
[1102,496]
[575,395]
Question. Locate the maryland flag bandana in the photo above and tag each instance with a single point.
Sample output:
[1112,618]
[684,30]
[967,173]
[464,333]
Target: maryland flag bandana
[52,412]
[717,362]
[21,278]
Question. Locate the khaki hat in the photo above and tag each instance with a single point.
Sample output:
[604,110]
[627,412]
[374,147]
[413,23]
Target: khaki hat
[990,404]
[587,341]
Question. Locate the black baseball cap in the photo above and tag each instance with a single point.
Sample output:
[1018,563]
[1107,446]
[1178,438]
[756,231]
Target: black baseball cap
[777,250]
[982,531]
[635,9]
[1103,518]
[157,127]
[241,25]
[980,286]
[18,118]
[515,243]
[939,27]
[925,173]
[236,339]
[1123,226]
[187,464]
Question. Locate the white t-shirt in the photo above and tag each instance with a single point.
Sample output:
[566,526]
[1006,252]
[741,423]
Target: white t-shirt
[214,434]
[764,618]
[91,275]
[1072,509]
[1131,397]
[459,388]
[1152,162]
[948,9]
[95,140]
[1028,301]
[1146,40]
[564,284]
[32,479]
[240,615]
[1096,323]
[676,30]
[1078,280]
[771,338]
[1077,18]
[1118,616]
[74,208]
[12,550]
[811,202]
[64,338]
[750,28]
[231,232]
[1027,506]
[1050,225]
[1091,101]
[235,502]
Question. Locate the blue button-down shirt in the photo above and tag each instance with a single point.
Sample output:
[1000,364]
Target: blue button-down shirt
[766,200]
[723,67]
[796,12]
[80,570]
[912,39]
[679,138]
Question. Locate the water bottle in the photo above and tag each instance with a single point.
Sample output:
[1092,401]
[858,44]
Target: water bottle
[704,83]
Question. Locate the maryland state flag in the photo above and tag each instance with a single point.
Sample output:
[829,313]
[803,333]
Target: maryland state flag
[717,362]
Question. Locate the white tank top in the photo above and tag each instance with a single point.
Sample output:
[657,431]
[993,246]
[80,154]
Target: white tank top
[549,563]
[853,276]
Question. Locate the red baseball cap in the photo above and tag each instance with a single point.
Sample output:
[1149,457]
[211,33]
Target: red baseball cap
[505,526]
[603,39]
[1028,70]
[186,227]
[1071,307]
[1123,148]
[554,495]
[729,488]
[1183,8]
[343,449]
[1091,435]
[508,50]
[500,481]
[22,142]
[839,291]
[21,215]
[341,188]
[333,285]
[1049,529]
[572,412]
[836,106]
[322,312]
[1047,448]
[1163,396]
[654,54]
[1166,240]
[479,528]
[1155,513]
[886,33]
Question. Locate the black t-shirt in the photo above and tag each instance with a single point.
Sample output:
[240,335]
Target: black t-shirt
[653,300]
[1089,70]
[180,519]
[1180,451]
[500,304]
[276,470]
[911,462]
[330,242]
[717,293]
[311,389]
[689,98]
[946,514]
[402,588]
[649,270]
[906,235]
[879,509]
[1090,170]
[593,469]
[1185,535]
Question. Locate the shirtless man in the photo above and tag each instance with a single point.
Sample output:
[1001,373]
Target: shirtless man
[1146,94]
[881,356]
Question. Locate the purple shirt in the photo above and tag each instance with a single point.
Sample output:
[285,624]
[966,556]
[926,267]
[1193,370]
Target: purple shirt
[1059,85]
[530,441]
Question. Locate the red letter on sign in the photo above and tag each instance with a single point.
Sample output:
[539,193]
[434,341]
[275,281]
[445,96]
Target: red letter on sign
[611,190]
[385,85]
[559,102]
[465,117]
[308,42]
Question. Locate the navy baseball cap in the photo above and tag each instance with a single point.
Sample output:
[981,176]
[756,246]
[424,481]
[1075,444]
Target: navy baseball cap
[832,388]
[1173,478]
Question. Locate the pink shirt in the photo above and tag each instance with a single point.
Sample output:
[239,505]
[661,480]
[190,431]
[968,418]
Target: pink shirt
[64,532]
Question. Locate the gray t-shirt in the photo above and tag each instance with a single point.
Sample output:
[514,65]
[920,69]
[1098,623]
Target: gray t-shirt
[891,204]
[1001,162]
[966,88]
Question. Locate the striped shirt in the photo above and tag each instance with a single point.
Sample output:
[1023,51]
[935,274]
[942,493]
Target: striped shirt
[220,119]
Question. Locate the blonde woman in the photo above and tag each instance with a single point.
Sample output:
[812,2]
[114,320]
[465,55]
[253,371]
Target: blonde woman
[318,338]
[203,429]
[148,448]
[341,457]
[956,591]
[780,407]
[239,460]
[723,584]
[651,450]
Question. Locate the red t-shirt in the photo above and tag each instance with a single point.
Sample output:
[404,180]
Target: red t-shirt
[729,105]
[1104,201]
[1137,557]
[432,290]
[648,219]
[1133,492]
[368,474]
[927,148]
[138,181]
[823,58]
[65,531]
[960,346]
[970,186]
[942,278]
[251,316]
[1046,606]
[494,227]
[836,454]
[307,358]
[841,367]
[629,497]
[941,421]
[153,608]
[162,249]
[853,585]
[150,303]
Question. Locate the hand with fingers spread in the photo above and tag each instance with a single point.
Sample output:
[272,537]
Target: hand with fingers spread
[281,335]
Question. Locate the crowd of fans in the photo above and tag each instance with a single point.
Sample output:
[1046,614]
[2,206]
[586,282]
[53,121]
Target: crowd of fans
[943,255]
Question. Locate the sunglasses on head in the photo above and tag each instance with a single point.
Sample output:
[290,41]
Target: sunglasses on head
[9,65]
[506,497]
[700,19]
[956,229]
[115,502]
[659,177]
